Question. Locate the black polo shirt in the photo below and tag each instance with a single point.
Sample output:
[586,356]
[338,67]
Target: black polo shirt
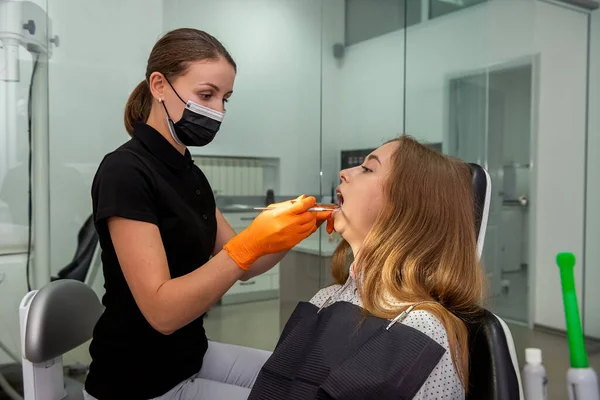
[147,179]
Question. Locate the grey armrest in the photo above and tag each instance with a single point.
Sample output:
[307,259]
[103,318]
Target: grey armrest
[62,316]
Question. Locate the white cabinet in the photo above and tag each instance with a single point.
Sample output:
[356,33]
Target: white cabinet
[239,220]
[262,287]
[256,284]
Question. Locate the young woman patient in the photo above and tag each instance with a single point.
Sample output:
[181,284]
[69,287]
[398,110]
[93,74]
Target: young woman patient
[409,255]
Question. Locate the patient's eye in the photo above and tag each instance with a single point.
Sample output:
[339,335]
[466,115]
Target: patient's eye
[365,169]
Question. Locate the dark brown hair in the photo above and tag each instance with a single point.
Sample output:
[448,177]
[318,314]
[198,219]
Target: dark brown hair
[171,56]
[422,246]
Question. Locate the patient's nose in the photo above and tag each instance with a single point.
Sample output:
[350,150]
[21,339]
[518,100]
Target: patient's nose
[344,175]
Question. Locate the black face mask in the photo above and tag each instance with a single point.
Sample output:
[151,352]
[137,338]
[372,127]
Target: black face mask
[198,124]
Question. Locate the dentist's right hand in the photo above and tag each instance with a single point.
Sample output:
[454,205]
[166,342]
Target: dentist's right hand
[273,231]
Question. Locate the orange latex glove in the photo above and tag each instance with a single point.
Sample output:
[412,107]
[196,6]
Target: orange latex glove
[330,229]
[323,216]
[274,230]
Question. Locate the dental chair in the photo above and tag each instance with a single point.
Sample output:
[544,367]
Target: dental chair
[494,368]
[84,265]
[54,320]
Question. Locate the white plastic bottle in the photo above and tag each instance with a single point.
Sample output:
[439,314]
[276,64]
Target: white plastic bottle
[534,376]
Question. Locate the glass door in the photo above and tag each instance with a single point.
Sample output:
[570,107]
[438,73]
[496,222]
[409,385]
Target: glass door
[490,124]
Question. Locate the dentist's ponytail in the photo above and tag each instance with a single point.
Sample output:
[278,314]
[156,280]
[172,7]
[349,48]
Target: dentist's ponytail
[171,56]
[138,106]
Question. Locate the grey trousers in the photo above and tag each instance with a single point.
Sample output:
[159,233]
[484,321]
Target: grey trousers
[228,372]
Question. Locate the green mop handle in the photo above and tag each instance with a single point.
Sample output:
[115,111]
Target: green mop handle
[566,264]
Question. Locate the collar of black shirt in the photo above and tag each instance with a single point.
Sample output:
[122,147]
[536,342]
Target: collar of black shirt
[161,148]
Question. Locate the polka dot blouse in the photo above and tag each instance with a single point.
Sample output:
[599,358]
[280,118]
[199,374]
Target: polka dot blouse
[443,382]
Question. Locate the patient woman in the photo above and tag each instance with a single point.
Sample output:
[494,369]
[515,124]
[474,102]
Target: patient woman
[408,281]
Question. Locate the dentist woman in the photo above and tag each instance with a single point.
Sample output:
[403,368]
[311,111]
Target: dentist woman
[158,226]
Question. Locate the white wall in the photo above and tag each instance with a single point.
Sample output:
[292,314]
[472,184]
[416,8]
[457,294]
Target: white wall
[560,38]
[101,57]
[482,36]
[275,109]
[592,272]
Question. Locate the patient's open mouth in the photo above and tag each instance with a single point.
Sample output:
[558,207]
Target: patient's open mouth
[340,199]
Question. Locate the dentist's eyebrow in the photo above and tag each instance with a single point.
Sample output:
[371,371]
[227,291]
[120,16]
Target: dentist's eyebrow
[215,87]
[374,157]
[212,85]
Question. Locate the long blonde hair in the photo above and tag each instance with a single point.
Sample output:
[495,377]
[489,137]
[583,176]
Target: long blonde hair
[422,246]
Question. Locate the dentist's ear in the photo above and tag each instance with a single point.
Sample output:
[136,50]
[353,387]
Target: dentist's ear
[156,82]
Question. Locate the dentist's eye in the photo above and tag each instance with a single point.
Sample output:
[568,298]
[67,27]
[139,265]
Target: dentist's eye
[204,96]
[225,100]
[365,169]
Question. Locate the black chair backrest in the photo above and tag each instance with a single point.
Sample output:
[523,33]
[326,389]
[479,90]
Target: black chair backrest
[87,240]
[492,374]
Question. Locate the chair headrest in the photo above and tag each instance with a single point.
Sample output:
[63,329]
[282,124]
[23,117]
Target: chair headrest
[482,191]
[61,316]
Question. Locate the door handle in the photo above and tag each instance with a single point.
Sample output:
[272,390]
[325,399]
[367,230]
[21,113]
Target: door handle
[523,200]
[520,201]
[247,283]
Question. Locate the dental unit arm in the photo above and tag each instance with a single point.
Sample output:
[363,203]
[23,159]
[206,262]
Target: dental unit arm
[23,23]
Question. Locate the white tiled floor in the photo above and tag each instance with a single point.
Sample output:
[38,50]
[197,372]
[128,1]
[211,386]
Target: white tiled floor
[249,324]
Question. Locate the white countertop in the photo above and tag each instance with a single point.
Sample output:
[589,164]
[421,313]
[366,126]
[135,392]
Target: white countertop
[318,246]
[13,238]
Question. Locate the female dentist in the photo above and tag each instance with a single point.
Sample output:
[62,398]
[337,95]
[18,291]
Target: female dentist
[158,226]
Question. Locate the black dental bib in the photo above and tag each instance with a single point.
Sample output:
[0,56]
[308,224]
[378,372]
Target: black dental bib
[338,353]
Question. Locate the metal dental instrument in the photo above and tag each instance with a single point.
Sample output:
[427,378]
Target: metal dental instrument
[313,209]
[318,208]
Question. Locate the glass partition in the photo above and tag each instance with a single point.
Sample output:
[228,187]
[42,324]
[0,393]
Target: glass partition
[24,201]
